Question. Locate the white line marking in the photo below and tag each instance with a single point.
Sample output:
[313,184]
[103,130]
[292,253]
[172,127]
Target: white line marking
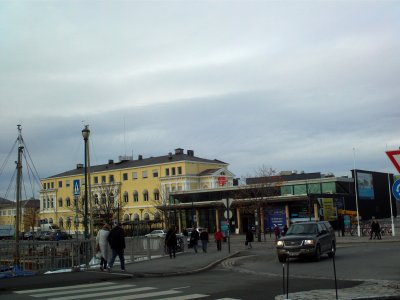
[104,294]
[145,295]
[186,297]
[70,287]
[79,291]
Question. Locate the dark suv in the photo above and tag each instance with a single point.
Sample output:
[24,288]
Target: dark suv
[307,239]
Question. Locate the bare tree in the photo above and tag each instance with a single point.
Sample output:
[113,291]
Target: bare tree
[107,205]
[265,183]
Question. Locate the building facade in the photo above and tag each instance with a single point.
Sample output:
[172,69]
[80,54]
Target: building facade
[128,190]
[284,199]
[29,213]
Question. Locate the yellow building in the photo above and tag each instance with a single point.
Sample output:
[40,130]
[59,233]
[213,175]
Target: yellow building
[127,190]
[29,213]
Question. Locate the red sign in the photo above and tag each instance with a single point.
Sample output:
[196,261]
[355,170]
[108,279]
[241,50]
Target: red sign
[394,157]
[222,180]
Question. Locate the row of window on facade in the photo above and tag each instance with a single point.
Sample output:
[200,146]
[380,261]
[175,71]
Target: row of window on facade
[49,202]
[126,218]
[103,179]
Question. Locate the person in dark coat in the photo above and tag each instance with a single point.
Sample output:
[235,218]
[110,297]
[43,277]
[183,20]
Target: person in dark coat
[194,239]
[116,239]
[249,238]
[170,241]
[204,240]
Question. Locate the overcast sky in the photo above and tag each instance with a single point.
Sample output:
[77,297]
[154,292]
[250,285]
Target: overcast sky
[292,85]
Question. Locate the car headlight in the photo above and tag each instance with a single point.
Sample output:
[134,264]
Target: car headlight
[308,242]
[279,243]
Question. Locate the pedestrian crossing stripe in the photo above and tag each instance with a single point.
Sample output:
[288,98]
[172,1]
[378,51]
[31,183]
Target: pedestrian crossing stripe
[110,291]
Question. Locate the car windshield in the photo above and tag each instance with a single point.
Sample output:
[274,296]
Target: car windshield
[302,229]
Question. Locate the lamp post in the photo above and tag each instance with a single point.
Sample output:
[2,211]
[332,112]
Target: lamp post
[85,134]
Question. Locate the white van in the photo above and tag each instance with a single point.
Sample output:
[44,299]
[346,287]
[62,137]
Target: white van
[49,227]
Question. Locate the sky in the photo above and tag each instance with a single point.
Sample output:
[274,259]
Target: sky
[310,86]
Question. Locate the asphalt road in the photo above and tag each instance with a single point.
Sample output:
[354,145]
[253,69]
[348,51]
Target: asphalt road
[250,276]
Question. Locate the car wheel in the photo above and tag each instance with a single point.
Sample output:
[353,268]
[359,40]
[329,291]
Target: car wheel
[317,255]
[282,258]
[333,250]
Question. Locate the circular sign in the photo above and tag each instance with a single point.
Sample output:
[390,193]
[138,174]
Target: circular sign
[226,214]
[396,189]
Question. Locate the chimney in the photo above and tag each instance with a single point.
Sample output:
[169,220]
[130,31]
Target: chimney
[140,157]
[110,161]
[178,151]
[190,153]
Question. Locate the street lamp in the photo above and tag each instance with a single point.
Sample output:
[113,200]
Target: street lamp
[85,134]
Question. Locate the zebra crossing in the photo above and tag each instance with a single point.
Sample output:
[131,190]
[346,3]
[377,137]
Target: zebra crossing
[111,291]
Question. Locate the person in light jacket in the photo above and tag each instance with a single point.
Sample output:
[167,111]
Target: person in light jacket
[103,246]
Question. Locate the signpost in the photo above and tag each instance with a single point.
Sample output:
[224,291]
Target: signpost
[394,156]
[77,191]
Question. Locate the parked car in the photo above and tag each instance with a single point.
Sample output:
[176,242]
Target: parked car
[157,233]
[310,239]
[30,235]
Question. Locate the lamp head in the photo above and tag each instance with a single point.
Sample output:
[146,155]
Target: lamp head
[86,132]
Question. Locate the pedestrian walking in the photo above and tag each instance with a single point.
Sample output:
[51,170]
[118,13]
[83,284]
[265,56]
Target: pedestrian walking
[102,246]
[204,240]
[249,238]
[277,232]
[377,230]
[373,229]
[194,239]
[170,241]
[285,229]
[116,239]
[218,236]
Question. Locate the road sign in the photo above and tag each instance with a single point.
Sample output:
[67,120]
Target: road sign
[77,187]
[227,202]
[226,214]
[394,156]
[396,189]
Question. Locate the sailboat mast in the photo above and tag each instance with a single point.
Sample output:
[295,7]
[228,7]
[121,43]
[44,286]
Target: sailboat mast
[18,197]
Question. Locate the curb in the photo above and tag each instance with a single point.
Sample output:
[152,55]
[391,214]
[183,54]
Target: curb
[170,274]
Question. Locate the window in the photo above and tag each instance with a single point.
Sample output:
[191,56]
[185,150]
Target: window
[103,199]
[134,175]
[60,184]
[156,194]
[146,217]
[173,171]
[144,174]
[52,185]
[96,180]
[60,202]
[135,196]
[167,172]
[96,199]
[61,222]
[103,179]
[155,173]
[126,199]
[125,176]
[145,195]
[76,202]
[111,178]
[67,184]
[179,170]
[68,202]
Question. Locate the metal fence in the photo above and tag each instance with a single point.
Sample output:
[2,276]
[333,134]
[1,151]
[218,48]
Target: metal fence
[44,256]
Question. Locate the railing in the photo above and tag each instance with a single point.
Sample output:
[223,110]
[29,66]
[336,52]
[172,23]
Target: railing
[43,256]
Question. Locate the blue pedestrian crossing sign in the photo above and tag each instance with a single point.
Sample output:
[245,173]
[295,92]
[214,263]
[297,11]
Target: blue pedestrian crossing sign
[396,189]
[77,187]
